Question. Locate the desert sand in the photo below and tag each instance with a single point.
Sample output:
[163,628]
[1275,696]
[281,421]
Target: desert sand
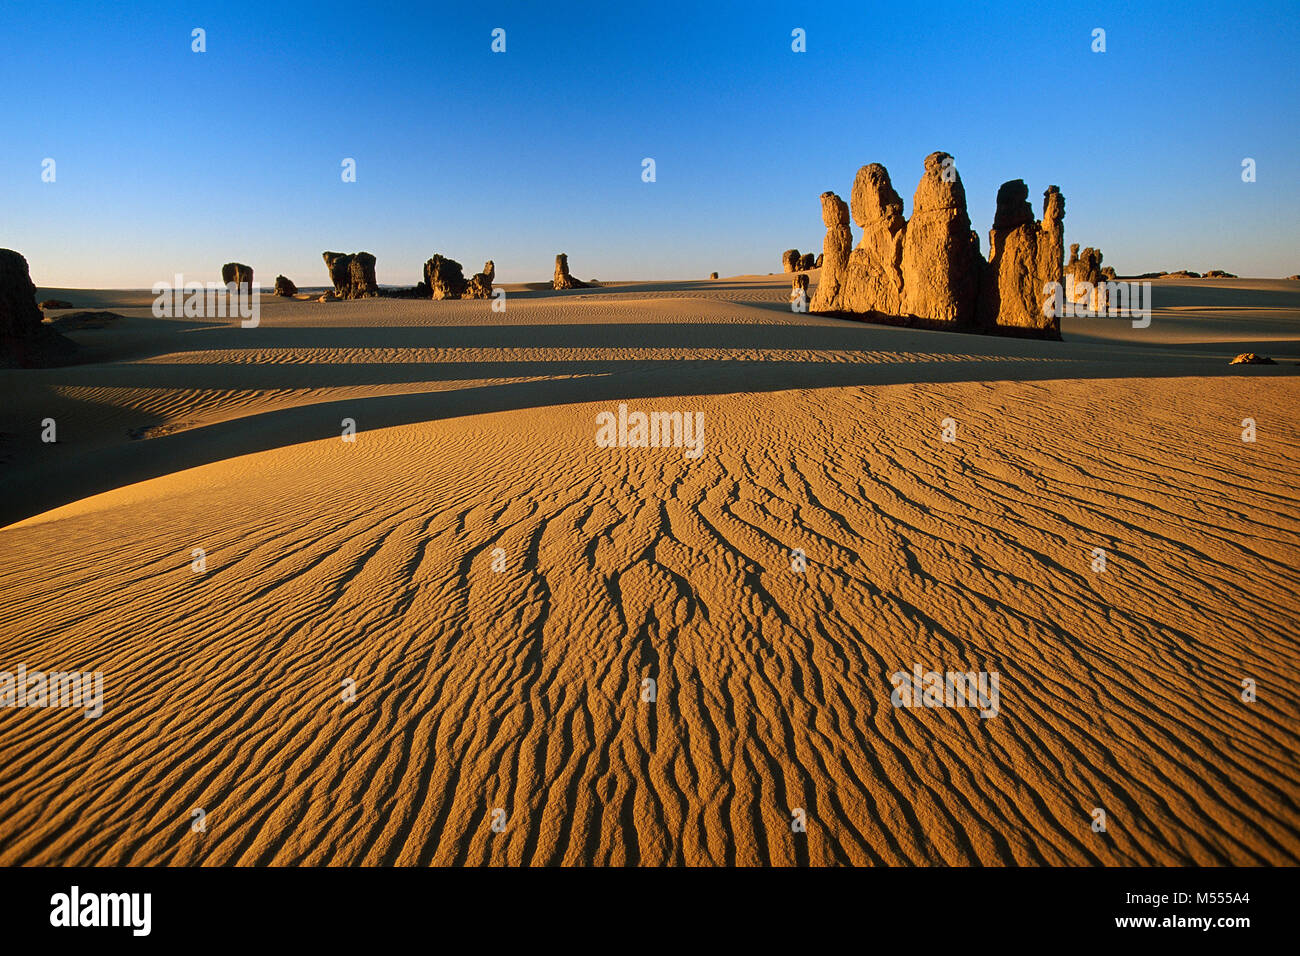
[521,690]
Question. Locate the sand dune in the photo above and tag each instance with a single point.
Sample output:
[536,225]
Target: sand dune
[521,689]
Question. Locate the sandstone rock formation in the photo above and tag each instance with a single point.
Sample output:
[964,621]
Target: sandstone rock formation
[790,260]
[1293,278]
[1108,273]
[57,304]
[490,271]
[284,286]
[238,273]
[1219,274]
[445,278]
[874,281]
[799,285]
[929,271]
[479,287]
[24,341]
[1250,358]
[835,255]
[353,275]
[806,261]
[562,278]
[1182,274]
[817,263]
[1024,256]
[713,275]
[1087,285]
[941,259]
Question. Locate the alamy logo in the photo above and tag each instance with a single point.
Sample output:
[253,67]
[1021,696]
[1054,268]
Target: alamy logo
[655,430]
[951,689]
[53,689]
[1089,300]
[196,300]
[75,908]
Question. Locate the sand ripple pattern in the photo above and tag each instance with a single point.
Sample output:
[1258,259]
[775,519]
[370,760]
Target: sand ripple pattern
[521,689]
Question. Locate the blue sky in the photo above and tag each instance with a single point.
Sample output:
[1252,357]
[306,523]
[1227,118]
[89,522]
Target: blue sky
[173,161]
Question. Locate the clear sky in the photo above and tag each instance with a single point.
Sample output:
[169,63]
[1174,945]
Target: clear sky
[173,161]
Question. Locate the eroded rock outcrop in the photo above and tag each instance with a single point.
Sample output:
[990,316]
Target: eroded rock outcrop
[874,280]
[353,275]
[562,278]
[237,273]
[445,278]
[817,263]
[941,258]
[284,286]
[1250,358]
[490,271]
[799,287]
[928,270]
[806,261]
[24,341]
[479,286]
[835,255]
[790,260]
[1085,282]
[1025,256]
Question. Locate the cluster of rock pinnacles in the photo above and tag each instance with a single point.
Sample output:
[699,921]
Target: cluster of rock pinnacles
[928,269]
[791,261]
[354,278]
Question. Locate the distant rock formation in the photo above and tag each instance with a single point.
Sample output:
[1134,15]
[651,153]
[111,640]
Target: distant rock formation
[806,261]
[817,263]
[490,271]
[562,278]
[1250,358]
[1024,256]
[1182,274]
[284,286]
[353,274]
[237,273]
[57,304]
[941,257]
[790,260]
[835,256]
[1087,285]
[1108,273]
[24,341]
[1294,278]
[445,278]
[1219,274]
[713,275]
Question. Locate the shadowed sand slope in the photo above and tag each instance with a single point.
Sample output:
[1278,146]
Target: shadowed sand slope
[500,588]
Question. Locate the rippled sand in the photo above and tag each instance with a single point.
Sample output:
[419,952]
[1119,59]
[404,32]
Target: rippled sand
[500,588]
